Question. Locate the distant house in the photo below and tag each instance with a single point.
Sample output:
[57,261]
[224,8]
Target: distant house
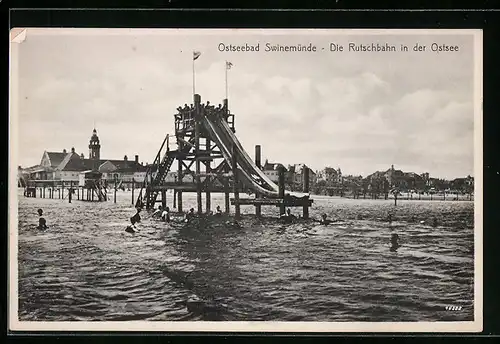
[399,179]
[68,165]
[296,174]
[330,176]
[272,170]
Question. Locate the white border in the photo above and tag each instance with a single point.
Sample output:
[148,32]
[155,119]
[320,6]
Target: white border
[264,326]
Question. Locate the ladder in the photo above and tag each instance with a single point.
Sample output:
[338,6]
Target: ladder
[147,192]
[100,191]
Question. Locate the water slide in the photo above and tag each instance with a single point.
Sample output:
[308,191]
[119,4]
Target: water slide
[250,174]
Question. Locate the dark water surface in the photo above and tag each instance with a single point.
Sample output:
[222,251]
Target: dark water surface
[86,267]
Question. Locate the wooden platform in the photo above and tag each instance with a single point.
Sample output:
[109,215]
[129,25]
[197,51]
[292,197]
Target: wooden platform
[288,202]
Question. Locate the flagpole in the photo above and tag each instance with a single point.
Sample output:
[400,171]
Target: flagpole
[225,67]
[193,75]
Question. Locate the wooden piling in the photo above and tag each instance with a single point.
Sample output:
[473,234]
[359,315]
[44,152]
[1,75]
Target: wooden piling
[281,188]
[235,183]
[208,197]
[77,193]
[226,196]
[44,192]
[70,191]
[305,207]
[163,199]
[179,180]
[197,101]
[258,207]
[133,187]
[116,186]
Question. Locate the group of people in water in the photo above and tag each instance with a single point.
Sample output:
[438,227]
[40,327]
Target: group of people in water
[288,217]
[163,214]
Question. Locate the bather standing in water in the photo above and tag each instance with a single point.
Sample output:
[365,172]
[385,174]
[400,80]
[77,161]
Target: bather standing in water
[42,224]
[190,215]
[394,243]
[157,213]
[288,217]
[133,220]
[434,222]
[218,211]
[389,218]
[165,216]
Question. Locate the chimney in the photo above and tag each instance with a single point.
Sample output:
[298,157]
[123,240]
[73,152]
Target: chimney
[125,159]
[136,159]
[82,156]
[64,151]
[72,149]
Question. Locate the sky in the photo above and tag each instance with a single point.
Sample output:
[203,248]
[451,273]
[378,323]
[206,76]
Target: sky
[360,111]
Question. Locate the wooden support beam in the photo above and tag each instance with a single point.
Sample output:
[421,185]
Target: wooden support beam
[163,199]
[300,202]
[70,191]
[235,183]
[133,188]
[258,209]
[305,209]
[208,199]
[197,101]
[281,186]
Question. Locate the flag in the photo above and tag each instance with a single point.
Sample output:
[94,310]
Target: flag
[196,54]
[228,65]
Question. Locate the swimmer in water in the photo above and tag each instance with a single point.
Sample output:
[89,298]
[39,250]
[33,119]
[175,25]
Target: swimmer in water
[42,224]
[389,218]
[157,212]
[394,243]
[288,216]
[165,215]
[434,222]
[133,220]
[190,215]
[324,220]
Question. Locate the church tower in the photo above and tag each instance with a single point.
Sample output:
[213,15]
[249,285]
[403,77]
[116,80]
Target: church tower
[94,150]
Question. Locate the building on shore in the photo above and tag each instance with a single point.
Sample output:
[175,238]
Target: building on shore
[293,174]
[272,170]
[296,176]
[67,166]
[399,179]
[330,176]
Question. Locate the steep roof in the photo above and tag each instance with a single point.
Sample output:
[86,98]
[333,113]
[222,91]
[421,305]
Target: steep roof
[74,163]
[298,168]
[56,158]
[268,166]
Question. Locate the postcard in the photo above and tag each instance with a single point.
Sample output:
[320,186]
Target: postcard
[245,180]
